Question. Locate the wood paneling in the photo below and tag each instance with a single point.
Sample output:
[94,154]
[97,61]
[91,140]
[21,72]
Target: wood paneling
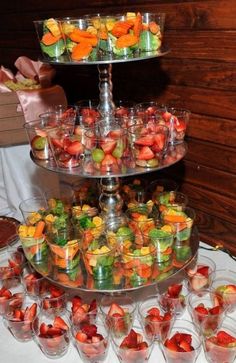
[198,74]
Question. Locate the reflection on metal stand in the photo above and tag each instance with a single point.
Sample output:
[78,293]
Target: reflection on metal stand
[110,200]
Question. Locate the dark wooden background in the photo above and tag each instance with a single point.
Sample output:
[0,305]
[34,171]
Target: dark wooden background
[199,73]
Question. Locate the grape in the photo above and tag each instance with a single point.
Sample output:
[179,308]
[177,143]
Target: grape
[98,155]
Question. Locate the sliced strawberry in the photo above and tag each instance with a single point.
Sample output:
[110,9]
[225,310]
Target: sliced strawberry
[174,290]
[200,309]
[145,153]
[108,145]
[230,289]
[142,346]
[203,270]
[166,116]
[180,125]
[185,346]
[52,331]
[81,337]
[89,329]
[130,341]
[116,309]
[60,323]
[75,148]
[159,141]
[93,305]
[43,329]
[154,312]
[215,310]
[115,134]
[30,312]
[147,140]
[76,303]
[170,344]
[225,338]
[55,291]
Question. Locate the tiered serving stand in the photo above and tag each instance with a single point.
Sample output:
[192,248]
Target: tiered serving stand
[110,199]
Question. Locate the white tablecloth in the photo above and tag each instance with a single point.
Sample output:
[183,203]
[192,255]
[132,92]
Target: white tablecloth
[12,351]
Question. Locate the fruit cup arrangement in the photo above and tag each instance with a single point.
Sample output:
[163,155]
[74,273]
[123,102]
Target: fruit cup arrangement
[155,320]
[54,300]
[11,264]
[224,288]
[148,143]
[220,346]
[134,347]
[34,283]
[174,299]
[118,313]
[99,258]
[12,294]
[67,149]
[52,334]
[19,321]
[92,342]
[82,310]
[183,343]
[205,311]
[106,150]
[200,275]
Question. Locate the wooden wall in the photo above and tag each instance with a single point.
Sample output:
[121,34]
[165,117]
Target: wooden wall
[199,73]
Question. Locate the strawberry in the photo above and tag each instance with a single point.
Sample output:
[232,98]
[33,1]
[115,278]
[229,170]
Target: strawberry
[200,309]
[30,312]
[115,309]
[215,310]
[130,341]
[166,116]
[203,270]
[89,329]
[93,305]
[185,346]
[52,331]
[55,291]
[108,145]
[180,125]
[81,337]
[170,344]
[154,312]
[142,346]
[174,290]
[60,323]
[76,303]
[145,153]
[225,338]
[147,140]
[75,148]
[159,141]
[43,329]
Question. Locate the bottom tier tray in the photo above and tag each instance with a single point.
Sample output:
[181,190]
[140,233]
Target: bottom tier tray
[119,280]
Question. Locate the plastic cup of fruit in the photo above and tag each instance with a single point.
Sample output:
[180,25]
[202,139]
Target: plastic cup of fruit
[34,283]
[220,346]
[82,310]
[61,115]
[54,301]
[11,264]
[35,248]
[148,143]
[141,218]
[160,186]
[37,135]
[176,120]
[119,231]
[51,39]
[134,346]
[138,263]
[206,314]
[174,299]
[155,320]
[162,238]
[52,334]
[66,148]
[32,209]
[172,199]
[88,112]
[147,110]
[106,150]
[151,35]
[123,108]
[77,31]
[181,222]
[118,313]
[12,294]
[99,258]
[19,321]
[200,275]
[92,342]
[224,287]
[183,343]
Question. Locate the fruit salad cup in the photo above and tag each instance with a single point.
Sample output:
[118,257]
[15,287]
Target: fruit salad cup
[87,223]
[51,39]
[118,313]
[119,232]
[33,209]
[151,35]
[80,37]
[82,310]
[174,298]
[176,120]
[12,294]
[138,263]
[19,321]
[148,143]
[106,150]
[88,112]
[172,199]
[37,136]
[66,147]
[92,342]
[224,287]
[134,347]
[155,320]
[53,301]
[183,343]
[11,264]
[162,238]
[147,110]
[220,346]
[160,186]
[181,223]
[99,258]
[35,284]
[200,275]
[52,334]
[205,311]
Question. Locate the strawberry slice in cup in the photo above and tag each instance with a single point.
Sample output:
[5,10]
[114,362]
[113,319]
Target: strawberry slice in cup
[224,287]
[200,275]
[174,298]
[12,294]
[221,346]
[82,310]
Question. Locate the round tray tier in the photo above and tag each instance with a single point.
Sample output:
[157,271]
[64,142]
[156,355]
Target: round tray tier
[78,279]
[174,154]
[107,58]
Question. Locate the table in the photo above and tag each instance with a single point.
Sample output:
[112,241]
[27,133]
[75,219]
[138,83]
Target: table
[12,351]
